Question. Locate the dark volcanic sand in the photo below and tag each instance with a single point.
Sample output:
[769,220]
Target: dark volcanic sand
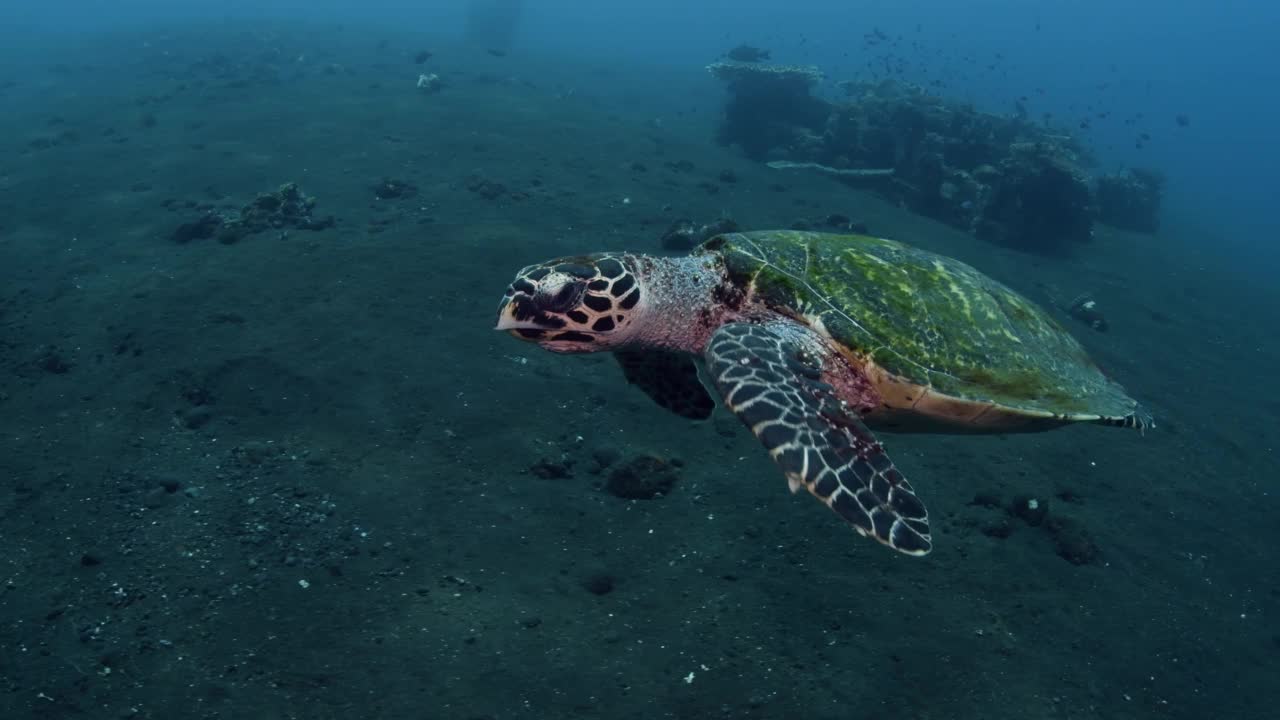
[293,477]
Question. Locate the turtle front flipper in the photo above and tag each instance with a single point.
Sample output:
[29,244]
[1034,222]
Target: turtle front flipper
[776,388]
[670,379]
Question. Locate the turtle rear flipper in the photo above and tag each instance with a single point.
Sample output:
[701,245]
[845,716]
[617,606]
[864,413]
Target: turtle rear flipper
[777,390]
[670,379]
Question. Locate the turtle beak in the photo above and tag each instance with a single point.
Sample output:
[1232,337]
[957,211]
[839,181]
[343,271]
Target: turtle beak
[514,316]
[507,317]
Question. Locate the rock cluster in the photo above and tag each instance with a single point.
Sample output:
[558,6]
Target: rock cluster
[287,207]
[1006,178]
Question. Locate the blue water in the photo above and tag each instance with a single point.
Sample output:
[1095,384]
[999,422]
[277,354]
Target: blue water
[1213,62]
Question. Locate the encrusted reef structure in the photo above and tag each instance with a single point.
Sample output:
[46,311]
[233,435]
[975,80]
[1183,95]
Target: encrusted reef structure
[1006,178]
[768,104]
[1131,199]
[1038,200]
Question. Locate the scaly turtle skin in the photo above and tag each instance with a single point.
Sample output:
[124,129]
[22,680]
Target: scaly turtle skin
[811,339]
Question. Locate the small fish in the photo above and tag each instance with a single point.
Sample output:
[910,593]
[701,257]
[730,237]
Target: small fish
[421,57]
[1085,309]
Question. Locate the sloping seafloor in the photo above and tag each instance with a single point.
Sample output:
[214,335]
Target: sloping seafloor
[293,476]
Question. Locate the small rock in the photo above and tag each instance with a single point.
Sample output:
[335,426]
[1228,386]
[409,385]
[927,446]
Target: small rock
[1000,529]
[1031,510]
[604,457]
[487,189]
[551,470]
[254,452]
[195,418]
[1070,496]
[391,189]
[155,498]
[203,228]
[598,584]
[1072,543]
[987,499]
[642,478]
[52,362]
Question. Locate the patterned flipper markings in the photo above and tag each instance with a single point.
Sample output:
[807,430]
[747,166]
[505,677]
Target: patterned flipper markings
[777,390]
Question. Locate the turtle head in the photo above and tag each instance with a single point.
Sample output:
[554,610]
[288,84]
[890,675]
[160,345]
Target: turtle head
[574,304]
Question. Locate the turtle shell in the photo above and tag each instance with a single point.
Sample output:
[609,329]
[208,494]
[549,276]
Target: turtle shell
[939,340]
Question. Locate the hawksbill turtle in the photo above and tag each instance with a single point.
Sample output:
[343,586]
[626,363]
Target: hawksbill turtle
[812,340]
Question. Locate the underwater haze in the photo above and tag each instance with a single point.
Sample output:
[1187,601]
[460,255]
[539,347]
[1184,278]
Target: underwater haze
[263,453]
[1142,63]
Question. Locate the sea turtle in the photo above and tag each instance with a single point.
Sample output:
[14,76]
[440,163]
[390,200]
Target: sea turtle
[811,338]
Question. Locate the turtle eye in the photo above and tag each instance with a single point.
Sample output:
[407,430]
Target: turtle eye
[560,299]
